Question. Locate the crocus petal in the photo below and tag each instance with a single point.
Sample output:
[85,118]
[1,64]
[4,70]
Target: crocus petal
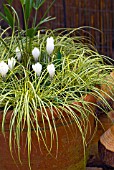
[50,45]
[3,68]
[36,53]
[51,70]
[18,54]
[37,68]
[11,63]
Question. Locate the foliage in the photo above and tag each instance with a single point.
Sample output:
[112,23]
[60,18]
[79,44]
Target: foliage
[75,69]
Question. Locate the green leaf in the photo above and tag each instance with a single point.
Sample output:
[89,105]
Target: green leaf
[43,21]
[23,2]
[59,56]
[58,61]
[28,8]
[10,1]
[8,16]
[3,17]
[38,4]
[30,32]
[48,9]
[5,44]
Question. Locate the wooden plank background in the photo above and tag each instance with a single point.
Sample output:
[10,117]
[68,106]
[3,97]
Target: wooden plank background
[75,13]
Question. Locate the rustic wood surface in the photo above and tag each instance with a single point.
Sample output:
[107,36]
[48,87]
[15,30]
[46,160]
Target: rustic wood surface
[75,13]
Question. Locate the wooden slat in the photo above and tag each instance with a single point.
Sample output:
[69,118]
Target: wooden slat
[97,13]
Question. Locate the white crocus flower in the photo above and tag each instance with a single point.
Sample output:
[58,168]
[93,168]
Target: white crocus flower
[3,68]
[51,70]
[50,45]
[18,54]
[36,53]
[11,63]
[37,68]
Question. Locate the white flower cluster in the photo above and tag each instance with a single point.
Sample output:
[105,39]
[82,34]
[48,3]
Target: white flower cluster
[37,67]
[36,53]
[5,67]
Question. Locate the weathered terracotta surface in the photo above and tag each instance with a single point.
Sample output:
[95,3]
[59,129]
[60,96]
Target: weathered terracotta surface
[69,156]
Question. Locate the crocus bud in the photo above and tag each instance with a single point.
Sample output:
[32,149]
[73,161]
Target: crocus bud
[50,45]
[35,53]
[51,70]
[3,68]
[18,54]
[11,63]
[37,68]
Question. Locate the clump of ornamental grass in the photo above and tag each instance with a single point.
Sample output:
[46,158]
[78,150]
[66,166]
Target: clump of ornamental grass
[49,70]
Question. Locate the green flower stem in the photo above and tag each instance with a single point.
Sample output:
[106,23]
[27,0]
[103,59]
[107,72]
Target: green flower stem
[30,46]
[49,59]
[26,27]
[36,12]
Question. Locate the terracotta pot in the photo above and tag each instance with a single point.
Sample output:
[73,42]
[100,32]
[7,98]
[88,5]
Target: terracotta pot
[68,156]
